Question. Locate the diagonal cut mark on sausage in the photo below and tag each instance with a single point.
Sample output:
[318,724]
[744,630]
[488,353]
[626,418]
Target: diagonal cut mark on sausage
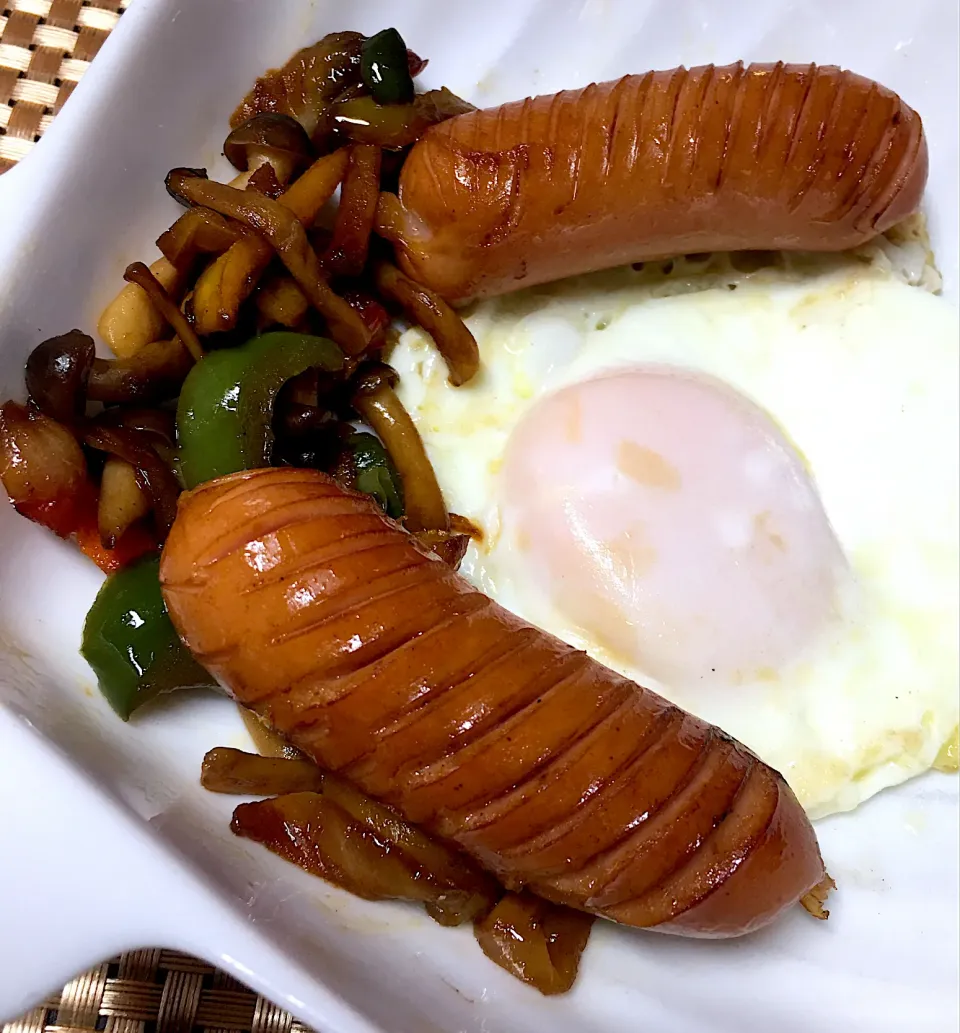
[717,858]
[622,786]
[333,690]
[666,840]
[813,169]
[507,808]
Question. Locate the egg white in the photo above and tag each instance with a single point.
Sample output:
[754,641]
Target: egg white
[861,371]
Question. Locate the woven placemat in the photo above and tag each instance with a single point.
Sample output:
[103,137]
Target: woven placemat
[155,991]
[45,47]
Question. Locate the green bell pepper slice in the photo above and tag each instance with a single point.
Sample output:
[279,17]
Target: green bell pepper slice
[375,474]
[225,411]
[384,68]
[131,644]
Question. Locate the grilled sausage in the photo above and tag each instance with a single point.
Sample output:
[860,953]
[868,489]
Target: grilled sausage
[769,156]
[382,663]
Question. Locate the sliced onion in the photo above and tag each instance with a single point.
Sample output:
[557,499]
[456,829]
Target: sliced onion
[236,773]
[345,838]
[40,459]
[538,942]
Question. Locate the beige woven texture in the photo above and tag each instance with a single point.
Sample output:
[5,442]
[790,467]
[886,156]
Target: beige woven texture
[155,990]
[45,47]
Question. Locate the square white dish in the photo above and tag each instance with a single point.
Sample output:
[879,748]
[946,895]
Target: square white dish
[73,778]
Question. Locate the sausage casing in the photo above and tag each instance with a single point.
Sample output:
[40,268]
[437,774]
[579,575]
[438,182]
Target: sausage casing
[768,156]
[382,663]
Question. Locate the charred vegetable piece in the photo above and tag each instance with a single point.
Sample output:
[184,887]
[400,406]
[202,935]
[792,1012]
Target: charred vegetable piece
[224,416]
[362,846]
[396,125]
[131,645]
[57,373]
[375,474]
[385,69]
[538,942]
[230,771]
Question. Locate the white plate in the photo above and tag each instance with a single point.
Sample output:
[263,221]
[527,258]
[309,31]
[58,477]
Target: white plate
[106,840]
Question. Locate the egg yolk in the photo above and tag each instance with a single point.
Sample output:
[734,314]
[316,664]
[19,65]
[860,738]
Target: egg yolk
[671,521]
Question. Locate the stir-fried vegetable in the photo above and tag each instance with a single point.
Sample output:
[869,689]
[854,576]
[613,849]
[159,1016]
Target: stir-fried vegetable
[224,417]
[453,340]
[273,139]
[198,231]
[57,373]
[153,474]
[281,227]
[307,84]
[538,942]
[358,844]
[268,742]
[280,301]
[329,828]
[363,120]
[372,471]
[131,320]
[385,69]
[448,545]
[139,274]
[230,771]
[122,501]
[813,901]
[153,374]
[378,404]
[347,253]
[223,286]
[131,645]
[42,467]
[265,251]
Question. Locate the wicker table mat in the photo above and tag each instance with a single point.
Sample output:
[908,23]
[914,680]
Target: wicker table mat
[155,991]
[45,47]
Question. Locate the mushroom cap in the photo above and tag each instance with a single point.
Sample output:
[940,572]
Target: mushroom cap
[271,135]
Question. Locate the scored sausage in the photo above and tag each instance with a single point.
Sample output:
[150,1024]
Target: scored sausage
[769,157]
[382,663]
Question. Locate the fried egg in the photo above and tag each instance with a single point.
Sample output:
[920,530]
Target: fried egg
[736,486]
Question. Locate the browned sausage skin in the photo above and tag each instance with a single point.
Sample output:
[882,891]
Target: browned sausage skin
[768,156]
[381,662]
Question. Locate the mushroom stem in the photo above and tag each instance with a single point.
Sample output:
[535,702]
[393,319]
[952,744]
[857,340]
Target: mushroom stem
[139,274]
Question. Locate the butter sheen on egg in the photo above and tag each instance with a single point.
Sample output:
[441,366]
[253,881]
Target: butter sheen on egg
[739,489]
